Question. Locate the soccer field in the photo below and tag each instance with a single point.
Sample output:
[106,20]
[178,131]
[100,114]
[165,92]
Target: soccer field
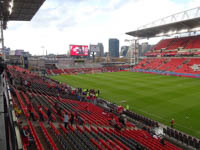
[155,96]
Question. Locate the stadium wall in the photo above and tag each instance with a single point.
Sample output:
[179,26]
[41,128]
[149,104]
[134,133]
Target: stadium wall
[167,73]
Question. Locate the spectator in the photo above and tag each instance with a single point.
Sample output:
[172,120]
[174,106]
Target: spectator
[49,115]
[98,92]
[60,112]
[83,99]
[58,97]
[78,97]
[30,137]
[80,90]
[120,109]
[27,138]
[29,84]
[66,120]
[40,113]
[26,83]
[113,123]
[25,135]
[80,120]
[122,120]
[93,98]
[17,110]
[30,109]
[162,141]
[56,104]
[72,119]
[66,90]
[73,92]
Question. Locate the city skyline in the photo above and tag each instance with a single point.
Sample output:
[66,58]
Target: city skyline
[58,24]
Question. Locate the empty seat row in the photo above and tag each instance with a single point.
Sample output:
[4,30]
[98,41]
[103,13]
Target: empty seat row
[194,142]
[48,137]
[141,118]
[36,139]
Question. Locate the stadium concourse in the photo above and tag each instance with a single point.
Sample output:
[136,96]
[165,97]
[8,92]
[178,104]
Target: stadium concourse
[41,105]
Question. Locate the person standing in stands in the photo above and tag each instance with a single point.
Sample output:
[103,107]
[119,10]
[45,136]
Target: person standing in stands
[30,109]
[26,83]
[66,120]
[17,110]
[25,135]
[58,97]
[79,97]
[40,112]
[162,141]
[72,119]
[56,105]
[122,120]
[29,84]
[59,111]
[79,119]
[49,115]
[80,91]
[172,123]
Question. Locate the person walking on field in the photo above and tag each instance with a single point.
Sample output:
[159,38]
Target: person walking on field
[172,123]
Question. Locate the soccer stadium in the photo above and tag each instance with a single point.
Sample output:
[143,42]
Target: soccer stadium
[87,102]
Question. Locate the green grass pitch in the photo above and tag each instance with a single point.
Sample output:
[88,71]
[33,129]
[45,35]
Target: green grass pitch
[155,96]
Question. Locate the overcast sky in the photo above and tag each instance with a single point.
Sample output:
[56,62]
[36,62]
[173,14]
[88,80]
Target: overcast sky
[60,23]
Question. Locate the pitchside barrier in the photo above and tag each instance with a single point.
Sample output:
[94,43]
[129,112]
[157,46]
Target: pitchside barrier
[168,73]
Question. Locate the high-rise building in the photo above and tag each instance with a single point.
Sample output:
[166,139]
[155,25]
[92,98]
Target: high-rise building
[5,51]
[101,50]
[114,47]
[124,50]
[144,48]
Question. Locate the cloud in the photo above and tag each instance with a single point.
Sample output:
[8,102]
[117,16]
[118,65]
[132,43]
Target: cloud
[60,23]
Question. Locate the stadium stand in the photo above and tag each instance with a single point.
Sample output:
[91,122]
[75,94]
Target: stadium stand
[183,46]
[86,70]
[96,130]
[187,67]
[181,65]
[179,136]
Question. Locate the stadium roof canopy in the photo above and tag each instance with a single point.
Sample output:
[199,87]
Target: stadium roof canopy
[19,10]
[24,10]
[183,22]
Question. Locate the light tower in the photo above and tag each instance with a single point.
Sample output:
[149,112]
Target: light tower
[133,51]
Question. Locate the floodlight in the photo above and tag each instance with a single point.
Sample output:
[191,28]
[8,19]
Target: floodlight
[10,8]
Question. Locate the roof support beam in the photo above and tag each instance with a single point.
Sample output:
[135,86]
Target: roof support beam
[187,20]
